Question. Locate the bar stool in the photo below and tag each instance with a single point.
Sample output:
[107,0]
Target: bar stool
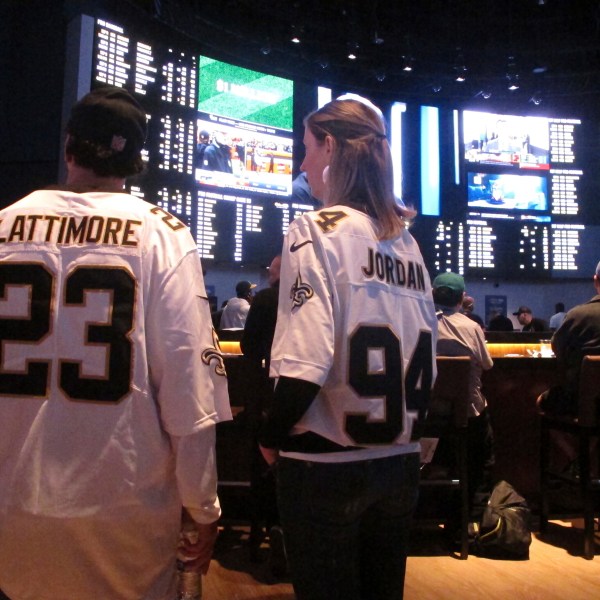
[584,426]
[448,418]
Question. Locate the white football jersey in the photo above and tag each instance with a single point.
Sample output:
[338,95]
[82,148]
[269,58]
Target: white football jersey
[107,351]
[356,317]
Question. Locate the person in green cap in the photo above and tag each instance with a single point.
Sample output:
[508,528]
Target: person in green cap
[460,336]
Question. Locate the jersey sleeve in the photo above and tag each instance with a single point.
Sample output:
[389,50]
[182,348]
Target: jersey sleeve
[186,365]
[196,470]
[304,335]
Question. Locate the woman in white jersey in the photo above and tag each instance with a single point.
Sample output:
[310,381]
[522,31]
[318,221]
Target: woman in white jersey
[354,354]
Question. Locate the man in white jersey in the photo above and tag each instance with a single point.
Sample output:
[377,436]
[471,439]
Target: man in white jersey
[111,378]
[354,354]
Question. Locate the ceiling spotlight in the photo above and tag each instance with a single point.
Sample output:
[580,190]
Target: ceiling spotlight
[460,69]
[512,75]
[266,49]
[380,75]
[322,62]
[407,64]
[460,73]
[377,40]
[513,82]
[536,99]
[352,49]
[485,94]
[436,88]
[296,36]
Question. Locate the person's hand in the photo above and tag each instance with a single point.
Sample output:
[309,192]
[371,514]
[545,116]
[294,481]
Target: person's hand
[269,454]
[196,544]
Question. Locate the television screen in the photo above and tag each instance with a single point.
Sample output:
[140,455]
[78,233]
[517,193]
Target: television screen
[509,198]
[507,192]
[245,122]
[218,154]
[506,140]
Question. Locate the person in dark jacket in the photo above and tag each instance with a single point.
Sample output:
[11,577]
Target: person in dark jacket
[529,322]
[217,155]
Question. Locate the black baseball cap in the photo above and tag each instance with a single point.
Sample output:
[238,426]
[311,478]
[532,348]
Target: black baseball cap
[243,287]
[522,309]
[112,118]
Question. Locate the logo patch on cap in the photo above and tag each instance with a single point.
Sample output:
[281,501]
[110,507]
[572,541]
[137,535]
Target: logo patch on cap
[118,143]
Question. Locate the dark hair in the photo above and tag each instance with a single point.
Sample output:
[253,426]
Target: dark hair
[103,161]
[445,296]
[560,307]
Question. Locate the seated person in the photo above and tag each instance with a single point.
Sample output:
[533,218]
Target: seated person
[578,335]
[558,317]
[500,322]
[460,336]
[529,322]
[468,306]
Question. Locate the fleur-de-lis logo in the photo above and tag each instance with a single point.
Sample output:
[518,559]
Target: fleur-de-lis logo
[213,355]
[300,292]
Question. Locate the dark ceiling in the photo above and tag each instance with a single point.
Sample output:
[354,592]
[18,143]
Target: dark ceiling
[552,45]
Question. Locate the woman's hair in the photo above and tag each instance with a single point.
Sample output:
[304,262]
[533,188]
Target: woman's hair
[360,170]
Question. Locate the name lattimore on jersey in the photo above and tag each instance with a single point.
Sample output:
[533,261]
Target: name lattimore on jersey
[394,271]
[54,229]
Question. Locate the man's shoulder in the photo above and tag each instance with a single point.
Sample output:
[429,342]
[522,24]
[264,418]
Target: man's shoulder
[36,197]
[591,307]
[463,320]
[476,319]
[236,303]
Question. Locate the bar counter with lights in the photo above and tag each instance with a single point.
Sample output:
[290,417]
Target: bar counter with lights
[522,370]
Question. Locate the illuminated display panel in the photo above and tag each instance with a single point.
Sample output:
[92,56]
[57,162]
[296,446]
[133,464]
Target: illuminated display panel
[506,140]
[245,121]
[507,192]
[499,194]
[514,202]
[219,151]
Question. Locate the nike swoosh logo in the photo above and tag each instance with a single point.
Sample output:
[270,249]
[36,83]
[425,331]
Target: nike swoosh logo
[294,247]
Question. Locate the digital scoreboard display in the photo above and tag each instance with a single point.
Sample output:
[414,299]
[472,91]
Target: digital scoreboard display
[500,193]
[514,202]
[219,150]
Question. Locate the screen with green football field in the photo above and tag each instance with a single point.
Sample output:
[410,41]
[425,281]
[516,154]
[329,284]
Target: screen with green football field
[239,93]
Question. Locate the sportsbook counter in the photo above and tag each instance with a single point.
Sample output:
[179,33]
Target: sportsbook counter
[519,375]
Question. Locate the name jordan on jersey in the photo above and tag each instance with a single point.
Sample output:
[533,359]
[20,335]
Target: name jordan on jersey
[393,271]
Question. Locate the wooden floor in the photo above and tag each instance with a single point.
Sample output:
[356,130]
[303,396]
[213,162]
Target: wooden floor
[554,571]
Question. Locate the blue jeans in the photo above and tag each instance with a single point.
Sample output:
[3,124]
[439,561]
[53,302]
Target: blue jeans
[346,526]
